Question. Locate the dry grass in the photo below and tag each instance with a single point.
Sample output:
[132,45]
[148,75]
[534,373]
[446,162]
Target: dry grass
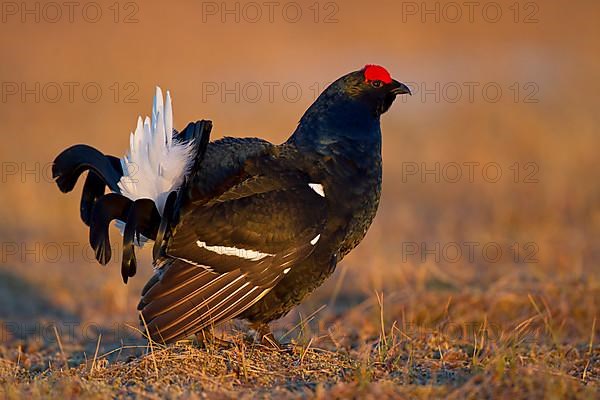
[400,362]
[443,345]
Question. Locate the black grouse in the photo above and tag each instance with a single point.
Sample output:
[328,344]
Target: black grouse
[242,228]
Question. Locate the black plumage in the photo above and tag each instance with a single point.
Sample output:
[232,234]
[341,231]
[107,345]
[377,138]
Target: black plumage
[255,226]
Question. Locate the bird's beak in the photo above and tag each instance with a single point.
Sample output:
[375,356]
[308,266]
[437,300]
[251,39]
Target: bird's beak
[399,88]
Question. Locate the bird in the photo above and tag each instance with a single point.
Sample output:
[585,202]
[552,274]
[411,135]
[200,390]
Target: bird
[241,228]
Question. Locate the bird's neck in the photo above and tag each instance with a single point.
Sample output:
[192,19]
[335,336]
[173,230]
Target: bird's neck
[338,128]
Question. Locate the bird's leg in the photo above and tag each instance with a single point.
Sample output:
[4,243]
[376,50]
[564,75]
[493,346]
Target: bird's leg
[264,335]
[206,337]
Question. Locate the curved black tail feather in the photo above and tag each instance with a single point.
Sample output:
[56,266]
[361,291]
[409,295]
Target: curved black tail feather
[164,226]
[106,209]
[199,132]
[143,218]
[72,162]
[93,190]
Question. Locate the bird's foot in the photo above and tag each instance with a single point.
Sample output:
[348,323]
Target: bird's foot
[206,339]
[261,333]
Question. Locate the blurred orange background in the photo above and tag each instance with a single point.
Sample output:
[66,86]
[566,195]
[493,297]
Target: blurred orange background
[543,56]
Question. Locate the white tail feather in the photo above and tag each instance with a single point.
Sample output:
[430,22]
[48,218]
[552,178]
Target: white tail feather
[155,164]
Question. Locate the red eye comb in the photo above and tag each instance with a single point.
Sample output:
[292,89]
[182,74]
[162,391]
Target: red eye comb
[377,73]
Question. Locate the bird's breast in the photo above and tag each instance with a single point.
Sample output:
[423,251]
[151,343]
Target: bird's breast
[353,190]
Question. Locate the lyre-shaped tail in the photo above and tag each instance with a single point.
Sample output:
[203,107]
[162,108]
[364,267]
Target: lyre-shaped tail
[143,184]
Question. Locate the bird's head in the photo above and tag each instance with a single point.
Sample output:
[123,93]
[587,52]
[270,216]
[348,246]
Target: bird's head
[349,108]
[372,86]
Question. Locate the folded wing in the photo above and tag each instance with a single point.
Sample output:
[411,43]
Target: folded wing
[229,251]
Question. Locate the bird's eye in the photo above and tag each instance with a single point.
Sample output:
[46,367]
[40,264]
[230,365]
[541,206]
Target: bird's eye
[376,83]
